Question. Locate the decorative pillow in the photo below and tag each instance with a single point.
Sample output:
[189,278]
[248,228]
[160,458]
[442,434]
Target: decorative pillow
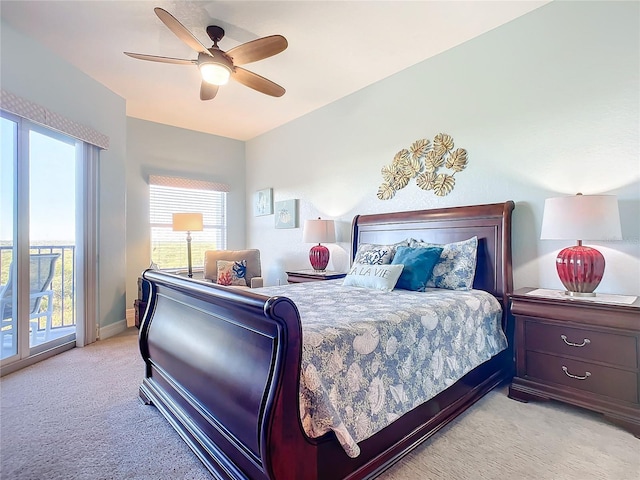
[456,268]
[232,273]
[371,254]
[418,266]
[380,277]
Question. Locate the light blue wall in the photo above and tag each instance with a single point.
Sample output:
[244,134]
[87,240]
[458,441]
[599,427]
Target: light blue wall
[153,148]
[546,105]
[61,88]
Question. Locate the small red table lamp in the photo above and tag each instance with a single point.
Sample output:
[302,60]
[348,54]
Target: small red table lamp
[319,231]
[580,217]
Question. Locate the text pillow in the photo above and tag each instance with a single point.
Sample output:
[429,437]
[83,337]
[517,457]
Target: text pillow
[456,268]
[232,273]
[418,266]
[372,254]
[379,277]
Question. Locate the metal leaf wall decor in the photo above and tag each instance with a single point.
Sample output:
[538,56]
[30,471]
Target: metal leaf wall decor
[422,161]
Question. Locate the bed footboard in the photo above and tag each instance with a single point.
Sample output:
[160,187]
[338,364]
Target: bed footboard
[223,367]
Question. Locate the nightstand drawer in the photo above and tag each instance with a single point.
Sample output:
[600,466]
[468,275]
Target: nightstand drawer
[587,344]
[611,382]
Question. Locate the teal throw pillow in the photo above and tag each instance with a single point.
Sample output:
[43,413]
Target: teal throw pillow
[418,266]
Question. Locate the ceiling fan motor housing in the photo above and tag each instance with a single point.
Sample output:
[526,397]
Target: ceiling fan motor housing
[215,56]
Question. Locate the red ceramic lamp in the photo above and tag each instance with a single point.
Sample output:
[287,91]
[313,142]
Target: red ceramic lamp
[581,217]
[319,231]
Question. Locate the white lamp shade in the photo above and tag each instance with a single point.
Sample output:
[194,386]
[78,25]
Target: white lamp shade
[581,217]
[187,222]
[319,231]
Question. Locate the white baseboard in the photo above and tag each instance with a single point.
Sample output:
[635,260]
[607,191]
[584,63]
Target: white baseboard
[131,317]
[113,329]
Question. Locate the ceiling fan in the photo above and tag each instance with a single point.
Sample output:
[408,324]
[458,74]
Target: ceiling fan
[217,66]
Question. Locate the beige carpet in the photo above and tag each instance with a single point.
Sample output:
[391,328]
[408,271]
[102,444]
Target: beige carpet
[77,416]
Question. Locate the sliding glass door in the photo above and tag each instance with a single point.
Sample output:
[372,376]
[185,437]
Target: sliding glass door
[41,176]
[8,187]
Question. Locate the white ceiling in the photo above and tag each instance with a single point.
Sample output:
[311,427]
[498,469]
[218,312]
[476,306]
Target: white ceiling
[335,48]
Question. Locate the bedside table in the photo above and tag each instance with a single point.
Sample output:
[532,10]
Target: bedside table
[578,351]
[140,305]
[300,276]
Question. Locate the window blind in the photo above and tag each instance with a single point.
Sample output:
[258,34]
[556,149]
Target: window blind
[169,195]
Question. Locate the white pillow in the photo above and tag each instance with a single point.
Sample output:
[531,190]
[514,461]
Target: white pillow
[379,277]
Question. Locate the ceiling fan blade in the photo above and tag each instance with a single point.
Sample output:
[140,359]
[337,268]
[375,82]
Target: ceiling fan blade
[208,91]
[258,49]
[155,58]
[180,30]
[255,81]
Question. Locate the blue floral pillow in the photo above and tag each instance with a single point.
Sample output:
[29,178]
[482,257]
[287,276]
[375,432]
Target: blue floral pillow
[418,266]
[371,254]
[456,268]
[232,273]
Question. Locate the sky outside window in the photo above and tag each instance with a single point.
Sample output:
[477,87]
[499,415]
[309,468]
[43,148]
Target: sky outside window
[52,187]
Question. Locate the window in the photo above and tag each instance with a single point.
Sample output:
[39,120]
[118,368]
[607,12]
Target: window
[169,195]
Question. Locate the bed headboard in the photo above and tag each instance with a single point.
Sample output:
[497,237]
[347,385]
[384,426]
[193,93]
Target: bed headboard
[491,223]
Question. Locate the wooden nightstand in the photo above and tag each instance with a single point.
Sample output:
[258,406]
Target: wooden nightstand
[140,305]
[301,276]
[578,351]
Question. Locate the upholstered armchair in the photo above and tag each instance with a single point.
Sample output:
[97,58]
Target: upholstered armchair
[252,273]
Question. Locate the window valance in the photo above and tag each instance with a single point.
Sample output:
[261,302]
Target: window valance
[39,114]
[179,182]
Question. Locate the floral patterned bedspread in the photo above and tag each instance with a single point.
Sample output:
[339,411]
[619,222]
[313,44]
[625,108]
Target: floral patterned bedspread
[370,356]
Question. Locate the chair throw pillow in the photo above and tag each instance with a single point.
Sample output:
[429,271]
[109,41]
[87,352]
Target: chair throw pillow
[418,266]
[232,273]
[456,268]
[379,277]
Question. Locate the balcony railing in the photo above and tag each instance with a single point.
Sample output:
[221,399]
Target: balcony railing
[63,284]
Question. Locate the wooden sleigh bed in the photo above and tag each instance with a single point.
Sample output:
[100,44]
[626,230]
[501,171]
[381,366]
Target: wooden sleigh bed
[223,364]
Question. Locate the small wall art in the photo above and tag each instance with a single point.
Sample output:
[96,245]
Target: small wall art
[263,202]
[286,214]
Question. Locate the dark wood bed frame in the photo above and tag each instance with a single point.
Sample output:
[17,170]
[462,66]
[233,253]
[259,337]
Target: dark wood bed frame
[223,364]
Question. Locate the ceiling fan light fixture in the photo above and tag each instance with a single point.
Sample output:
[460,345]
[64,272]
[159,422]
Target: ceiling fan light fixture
[215,73]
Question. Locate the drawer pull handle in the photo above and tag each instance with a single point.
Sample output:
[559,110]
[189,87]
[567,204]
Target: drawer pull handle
[577,377]
[586,341]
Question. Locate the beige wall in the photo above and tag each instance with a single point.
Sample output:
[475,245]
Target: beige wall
[546,105]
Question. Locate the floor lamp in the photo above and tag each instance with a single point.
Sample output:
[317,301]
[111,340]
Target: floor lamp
[187,222]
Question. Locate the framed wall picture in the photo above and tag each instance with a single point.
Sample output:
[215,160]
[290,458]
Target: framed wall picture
[263,202]
[286,214]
